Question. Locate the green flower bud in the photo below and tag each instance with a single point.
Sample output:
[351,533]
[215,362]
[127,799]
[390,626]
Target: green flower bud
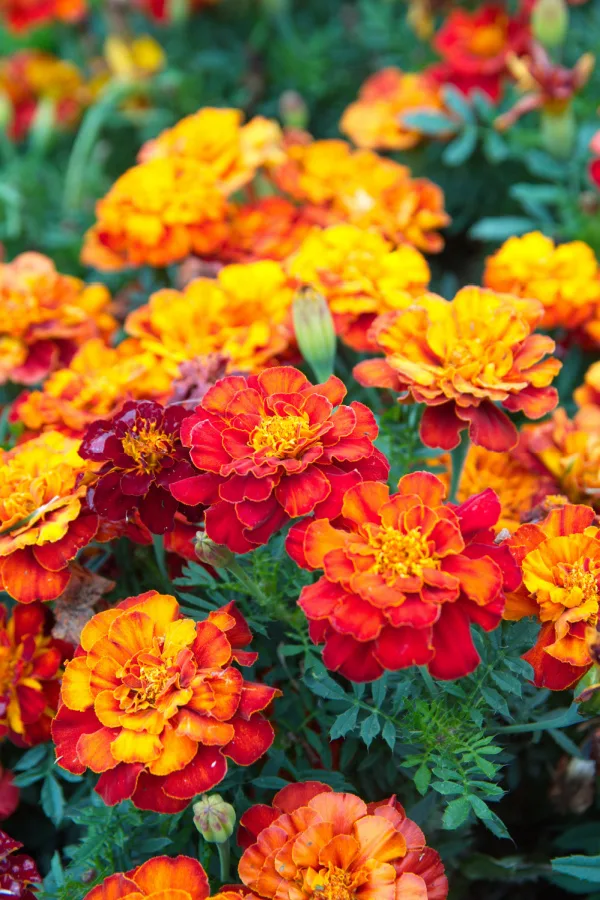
[549,22]
[212,554]
[214,818]
[587,692]
[315,331]
[293,110]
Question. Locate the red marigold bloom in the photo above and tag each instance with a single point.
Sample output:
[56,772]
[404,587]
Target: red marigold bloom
[271,448]
[560,560]
[463,357]
[9,794]
[153,703]
[17,873]
[30,671]
[142,454]
[316,843]
[22,15]
[404,579]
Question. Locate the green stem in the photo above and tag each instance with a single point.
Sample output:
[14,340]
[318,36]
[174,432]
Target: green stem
[159,553]
[236,569]
[224,857]
[459,454]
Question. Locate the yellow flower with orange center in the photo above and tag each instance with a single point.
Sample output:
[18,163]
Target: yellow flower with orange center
[564,278]
[360,275]
[45,316]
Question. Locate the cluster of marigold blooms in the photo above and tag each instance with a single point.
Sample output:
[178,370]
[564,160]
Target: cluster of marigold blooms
[25,15]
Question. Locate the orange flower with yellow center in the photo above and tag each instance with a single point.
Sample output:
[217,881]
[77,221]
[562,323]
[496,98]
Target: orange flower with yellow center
[45,317]
[461,358]
[23,15]
[43,521]
[360,275]
[155,214]
[560,561]
[564,278]
[241,314]
[153,703]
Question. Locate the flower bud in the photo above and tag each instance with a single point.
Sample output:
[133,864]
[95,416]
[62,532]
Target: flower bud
[558,130]
[212,554]
[6,112]
[587,692]
[214,818]
[549,22]
[293,110]
[315,331]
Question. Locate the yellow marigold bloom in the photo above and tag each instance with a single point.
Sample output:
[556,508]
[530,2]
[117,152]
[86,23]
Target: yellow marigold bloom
[45,316]
[360,275]
[564,278]
[232,152]
[96,383]
[241,314]
[155,214]
[374,121]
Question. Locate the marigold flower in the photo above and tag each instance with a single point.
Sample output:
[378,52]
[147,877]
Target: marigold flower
[45,316]
[156,214]
[43,520]
[241,314]
[564,278]
[360,275]
[316,843]
[9,794]
[152,702]
[374,121]
[23,15]
[141,454]
[462,357]
[271,448]
[587,395]
[161,878]
[560,561]
[17,873]
[405,577]
[162,10]
[594,167]
[30,670]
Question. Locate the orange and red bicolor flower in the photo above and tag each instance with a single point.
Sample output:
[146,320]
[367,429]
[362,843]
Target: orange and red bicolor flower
[23,15]
[461,358]
[271,448]
[18,873]
[44,521]
[404,579]
[141,454]
[152,703]
[31,663]
[315,843]
[560,561]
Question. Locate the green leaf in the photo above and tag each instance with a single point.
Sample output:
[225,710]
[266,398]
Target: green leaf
[31,758]
[493,822]
[324,686]
[389,734]
[462,147]
[344,723]
[422,778]
[456,813]
[457,103]
[270,782]
[499,228]
[587,868]
[508,683]
[495,147]
[52,799]
[378,689]
[447,787]
[57,869]
[370,728]
[431,123]
[496,701]
[559,718]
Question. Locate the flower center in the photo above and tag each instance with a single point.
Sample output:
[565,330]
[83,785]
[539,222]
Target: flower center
[281,436]
[145,679]
[488,41]
[581,581]
[148,446]
[335,884]
[401,555]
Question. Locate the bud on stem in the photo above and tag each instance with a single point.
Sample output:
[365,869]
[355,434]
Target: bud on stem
[550,22]
[315,331]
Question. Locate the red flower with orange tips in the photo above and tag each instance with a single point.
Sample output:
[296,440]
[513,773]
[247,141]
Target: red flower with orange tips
[22,15]
[18,874]
[463,357]
[404,579]
[316,843]
[560,561]
[152,702]
[271,448]
[30,671]
[142,454]
[161,878]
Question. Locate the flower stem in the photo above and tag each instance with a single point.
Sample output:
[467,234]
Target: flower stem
[224,856]
[459,454]
[236,569]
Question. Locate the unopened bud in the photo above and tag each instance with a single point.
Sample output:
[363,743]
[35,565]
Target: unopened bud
[178,11]
[558,130]
[549,22]
[6,112]
[214,818]
[293,110]
[42,124]
[587,692]
[212,554]
[315,332]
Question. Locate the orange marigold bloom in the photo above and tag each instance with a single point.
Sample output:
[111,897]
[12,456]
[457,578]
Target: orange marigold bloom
[360,275]
[587,395]
[43,520]
[231,152]
[241,314]
[560,560]
[45,316]
[30,671]
[155,214]
[374,121]
[316,843]
[462,357]
[22,15]
[153,703]
[564,278]
[161,878]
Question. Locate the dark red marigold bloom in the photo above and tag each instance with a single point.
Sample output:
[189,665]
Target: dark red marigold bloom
[18,874]
[405,577]
[142,454]
[275,447]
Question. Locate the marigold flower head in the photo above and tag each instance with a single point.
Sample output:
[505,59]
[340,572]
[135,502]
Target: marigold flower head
[315,843]
[30,670]
[18,873]
[241,314]
[9,794]
[462,357]
[45,316]
[565,278]
[587,395]
[360,275]
[560,561]
[43,520]
[22,15]
[152,702]
[404,579]
[374,121]
[271,448]
[160,878]
[155,214]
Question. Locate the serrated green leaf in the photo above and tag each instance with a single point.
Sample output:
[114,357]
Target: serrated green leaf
[491,820]
[447,787]
[324,686]
[344,723]
[496,701]
[389,734]
[422,778]
[370,728]
[508,683]
[456,813]
[378,690]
